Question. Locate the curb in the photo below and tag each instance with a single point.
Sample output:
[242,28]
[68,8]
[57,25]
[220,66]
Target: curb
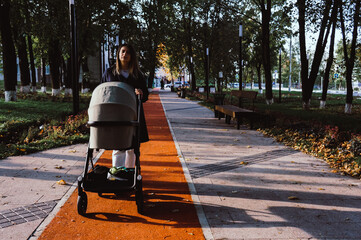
[197,203]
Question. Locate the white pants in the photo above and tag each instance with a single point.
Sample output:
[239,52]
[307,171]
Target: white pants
[124,158]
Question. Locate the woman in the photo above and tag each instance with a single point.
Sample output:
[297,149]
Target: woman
[126,69]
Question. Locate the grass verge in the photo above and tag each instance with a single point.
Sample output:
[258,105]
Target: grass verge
[39,121]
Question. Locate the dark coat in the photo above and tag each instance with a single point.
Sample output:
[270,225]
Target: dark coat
[139,83]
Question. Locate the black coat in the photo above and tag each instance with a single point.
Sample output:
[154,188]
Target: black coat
[139,83]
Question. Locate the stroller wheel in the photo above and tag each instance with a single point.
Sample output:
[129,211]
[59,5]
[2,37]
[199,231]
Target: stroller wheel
[82,203]
[139,197]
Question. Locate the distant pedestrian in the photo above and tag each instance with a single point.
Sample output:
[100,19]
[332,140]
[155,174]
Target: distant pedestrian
[162,83]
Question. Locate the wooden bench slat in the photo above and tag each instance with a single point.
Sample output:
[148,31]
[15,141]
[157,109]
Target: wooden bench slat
[232,111]
[244,94]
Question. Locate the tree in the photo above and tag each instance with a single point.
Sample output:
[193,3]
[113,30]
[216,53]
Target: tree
[329,62]
[9,56]
[153,23]
[19,30]
[323,13]
[350,59]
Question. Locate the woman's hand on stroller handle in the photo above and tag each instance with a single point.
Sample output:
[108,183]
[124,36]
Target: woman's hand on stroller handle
[139,92]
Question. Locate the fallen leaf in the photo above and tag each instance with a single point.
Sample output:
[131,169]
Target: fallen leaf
[59,167]
[243,163]
[321,189]
[293,198]
[72,151]
[35,168]
[191,234]
[61,182]
[249,146]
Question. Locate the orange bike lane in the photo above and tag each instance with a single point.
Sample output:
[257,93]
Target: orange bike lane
[169,212]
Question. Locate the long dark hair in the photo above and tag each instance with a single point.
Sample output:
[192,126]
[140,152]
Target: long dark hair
[133,64]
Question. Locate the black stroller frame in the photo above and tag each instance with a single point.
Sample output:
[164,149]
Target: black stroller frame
[100,186]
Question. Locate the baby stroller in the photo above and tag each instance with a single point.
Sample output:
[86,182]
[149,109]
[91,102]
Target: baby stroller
[114,113]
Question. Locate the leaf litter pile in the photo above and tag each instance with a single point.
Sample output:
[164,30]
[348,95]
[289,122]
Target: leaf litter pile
[340,149]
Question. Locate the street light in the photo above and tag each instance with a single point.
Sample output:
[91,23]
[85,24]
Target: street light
[73,57]
[240,56]
[220,76]
[207,71]
[193,86]
[279,75]
[290,75]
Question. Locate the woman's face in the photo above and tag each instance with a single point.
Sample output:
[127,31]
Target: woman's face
[124,55]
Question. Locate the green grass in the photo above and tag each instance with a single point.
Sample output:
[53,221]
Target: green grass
[289,111]
[37,122]
[291,108]
[31,110]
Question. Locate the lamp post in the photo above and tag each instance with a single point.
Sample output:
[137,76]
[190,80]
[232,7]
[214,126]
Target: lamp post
[240,56]
[290,76]
[219,85]
[73,57]
[279,75]
[193,86]
[207,72]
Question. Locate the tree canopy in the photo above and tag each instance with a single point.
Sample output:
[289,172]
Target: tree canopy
[183,29]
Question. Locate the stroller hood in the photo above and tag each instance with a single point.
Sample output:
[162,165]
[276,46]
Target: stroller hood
[112,101]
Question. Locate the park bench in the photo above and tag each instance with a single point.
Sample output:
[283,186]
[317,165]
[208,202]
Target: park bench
[238,113]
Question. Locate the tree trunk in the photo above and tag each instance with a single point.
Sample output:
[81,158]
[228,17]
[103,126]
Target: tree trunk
[86,75]
[32,64]
[303,54]
[43,76]
[54,63]
[23,64]
[326,75]
[259,78]
[190,53]
[188,40]
[67,80]
[308,80]
[9,55]
[151,74]
[350,60]
[266,57]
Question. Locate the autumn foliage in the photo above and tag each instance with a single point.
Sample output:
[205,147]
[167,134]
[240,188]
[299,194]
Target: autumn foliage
[340,149]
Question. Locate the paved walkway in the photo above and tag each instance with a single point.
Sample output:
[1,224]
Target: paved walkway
[29,190]
[245,186]
[251,187]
